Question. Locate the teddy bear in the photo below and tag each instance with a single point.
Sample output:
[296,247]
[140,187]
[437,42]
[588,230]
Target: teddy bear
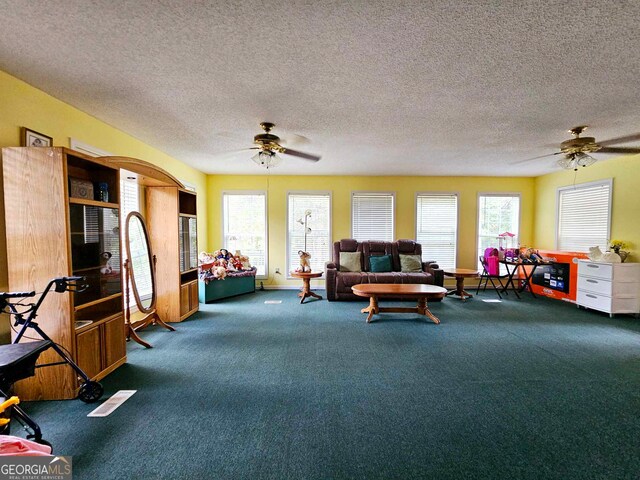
[305,266]
[596,255]
[105,263]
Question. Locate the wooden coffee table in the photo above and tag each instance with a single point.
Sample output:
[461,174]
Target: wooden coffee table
[460,274]
[306,284]
[380,290]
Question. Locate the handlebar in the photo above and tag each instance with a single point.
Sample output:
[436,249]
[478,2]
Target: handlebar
[5,295]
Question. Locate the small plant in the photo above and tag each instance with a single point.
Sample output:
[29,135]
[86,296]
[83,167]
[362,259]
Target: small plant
[617,245]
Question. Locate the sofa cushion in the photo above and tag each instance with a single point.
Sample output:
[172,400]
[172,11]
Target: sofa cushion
[350,261]
[346,280]
[410,263]
[380,263]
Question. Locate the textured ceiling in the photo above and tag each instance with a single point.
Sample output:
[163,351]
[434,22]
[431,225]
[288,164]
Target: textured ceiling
[379,87]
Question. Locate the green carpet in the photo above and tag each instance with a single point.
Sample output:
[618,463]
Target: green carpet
[519,389]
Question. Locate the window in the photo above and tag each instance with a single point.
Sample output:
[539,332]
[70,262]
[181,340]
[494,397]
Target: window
[437,227]
[497,213]
[584,213]
[372,216]
[318,240]
[244,218]
[130,202]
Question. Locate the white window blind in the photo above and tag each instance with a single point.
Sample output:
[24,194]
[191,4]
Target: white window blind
[497,213]
[318,242]
[372,216]
[584,216]
[245,226]
[437,227]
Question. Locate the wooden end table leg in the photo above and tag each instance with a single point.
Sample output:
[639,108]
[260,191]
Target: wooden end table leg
[372,308]
[306,289]
[424,310]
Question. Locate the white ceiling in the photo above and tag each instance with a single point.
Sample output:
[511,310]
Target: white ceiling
[380,87]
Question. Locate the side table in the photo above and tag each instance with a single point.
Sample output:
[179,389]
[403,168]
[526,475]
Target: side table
[306,284]
[460,274]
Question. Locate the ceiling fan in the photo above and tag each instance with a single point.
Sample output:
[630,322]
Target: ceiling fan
[577,149]
[269,145]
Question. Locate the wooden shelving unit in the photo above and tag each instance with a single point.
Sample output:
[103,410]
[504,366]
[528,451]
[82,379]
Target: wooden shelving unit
[172,221]
[50,234]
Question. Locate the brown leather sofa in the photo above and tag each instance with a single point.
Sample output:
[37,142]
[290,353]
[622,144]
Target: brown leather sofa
[339,283]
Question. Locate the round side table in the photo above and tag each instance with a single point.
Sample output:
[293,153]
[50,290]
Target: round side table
[306,284]
[460,274]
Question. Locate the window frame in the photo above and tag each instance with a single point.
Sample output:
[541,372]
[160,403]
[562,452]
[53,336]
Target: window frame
[355,193]
[415,217]
[595,183]
[496,194]
[318,193]
[266,224]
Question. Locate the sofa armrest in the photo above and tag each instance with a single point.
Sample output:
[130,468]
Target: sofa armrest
[434,269]
[330,274]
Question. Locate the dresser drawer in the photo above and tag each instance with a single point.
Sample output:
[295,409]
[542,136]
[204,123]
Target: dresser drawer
[594,300]
[609,304]
[595,285]
[596,270]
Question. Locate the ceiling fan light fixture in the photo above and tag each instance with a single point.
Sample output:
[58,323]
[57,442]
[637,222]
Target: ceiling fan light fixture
[572,161]
[267,159]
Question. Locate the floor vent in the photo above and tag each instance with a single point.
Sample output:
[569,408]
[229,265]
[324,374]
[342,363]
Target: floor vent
[113,402]
[272,302]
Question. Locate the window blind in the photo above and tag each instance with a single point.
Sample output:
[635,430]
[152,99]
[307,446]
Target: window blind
[583,216]
[130,202]
[372,216]
[245,227]
[437,227]
[319,224]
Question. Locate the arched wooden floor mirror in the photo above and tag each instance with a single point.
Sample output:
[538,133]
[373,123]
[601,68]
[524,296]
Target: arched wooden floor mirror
[140,270]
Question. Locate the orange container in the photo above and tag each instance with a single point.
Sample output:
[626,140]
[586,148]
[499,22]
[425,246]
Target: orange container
[551,280]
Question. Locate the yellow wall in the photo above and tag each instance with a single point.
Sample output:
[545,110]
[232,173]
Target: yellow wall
[24,105]
[341,188]
[625,209]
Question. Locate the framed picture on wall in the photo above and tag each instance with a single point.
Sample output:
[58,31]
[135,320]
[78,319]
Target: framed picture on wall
[31,138]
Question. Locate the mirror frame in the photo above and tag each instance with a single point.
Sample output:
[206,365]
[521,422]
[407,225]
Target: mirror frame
[151,308]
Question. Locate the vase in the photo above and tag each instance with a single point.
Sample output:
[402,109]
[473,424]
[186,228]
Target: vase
[623,255]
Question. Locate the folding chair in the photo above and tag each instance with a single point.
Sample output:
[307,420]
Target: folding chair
[487,277]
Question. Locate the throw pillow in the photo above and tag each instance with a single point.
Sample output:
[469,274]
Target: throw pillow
[410,263]
[350,261]
[380,263]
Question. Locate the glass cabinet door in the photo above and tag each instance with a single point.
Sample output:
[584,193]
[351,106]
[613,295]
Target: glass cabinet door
[188,243]
[95,250]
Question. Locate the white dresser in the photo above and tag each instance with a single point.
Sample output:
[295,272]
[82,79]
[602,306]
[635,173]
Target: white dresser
[609,287]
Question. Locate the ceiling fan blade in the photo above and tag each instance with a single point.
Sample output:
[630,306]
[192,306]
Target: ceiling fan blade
[535,158]
[296,153]
[622,150]
[626,139]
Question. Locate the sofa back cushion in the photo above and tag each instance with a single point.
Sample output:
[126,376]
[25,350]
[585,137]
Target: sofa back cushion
[346,245]
[410,263]
[380,263]
[404,247]
[373,248]
[350,262]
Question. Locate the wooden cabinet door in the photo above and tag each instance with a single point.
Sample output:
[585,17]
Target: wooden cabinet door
[193,296]
[184,299]
[89,351]
[114,344]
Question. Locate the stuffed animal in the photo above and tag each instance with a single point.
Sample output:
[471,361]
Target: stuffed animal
[305,266]
[219,272]
[236,262]
[105,263]
[596,255]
